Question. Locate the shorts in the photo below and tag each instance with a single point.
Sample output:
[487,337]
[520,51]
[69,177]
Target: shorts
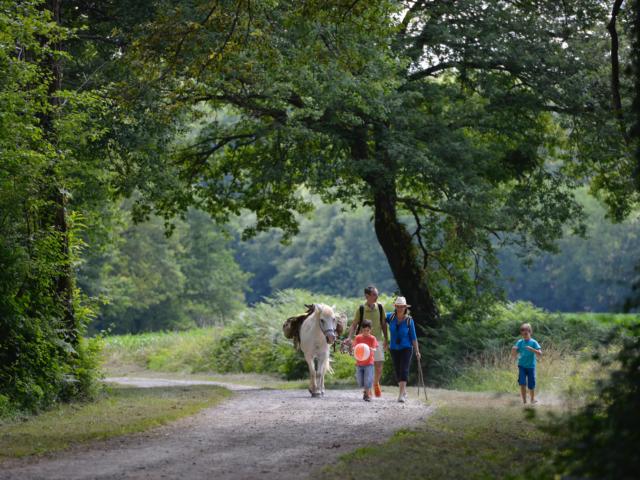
[527,376]
[364,376]
[378,355]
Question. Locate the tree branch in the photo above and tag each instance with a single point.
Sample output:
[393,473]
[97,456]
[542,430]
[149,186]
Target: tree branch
[412,203]
[411,13]
[417,234]
[495,65]
[616,100]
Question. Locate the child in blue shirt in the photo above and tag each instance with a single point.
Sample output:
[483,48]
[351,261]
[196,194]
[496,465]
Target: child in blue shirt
[527,350]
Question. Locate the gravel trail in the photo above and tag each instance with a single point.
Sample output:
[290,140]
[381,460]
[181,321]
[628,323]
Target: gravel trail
[271,434]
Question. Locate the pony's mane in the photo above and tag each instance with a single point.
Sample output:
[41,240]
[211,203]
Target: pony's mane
[326,310]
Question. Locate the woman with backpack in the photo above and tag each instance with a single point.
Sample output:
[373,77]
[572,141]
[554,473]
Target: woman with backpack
[403,343]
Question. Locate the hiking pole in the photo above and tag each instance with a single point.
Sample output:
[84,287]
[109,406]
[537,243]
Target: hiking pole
[421,382]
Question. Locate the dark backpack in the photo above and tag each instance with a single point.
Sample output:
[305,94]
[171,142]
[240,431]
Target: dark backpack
[380,312]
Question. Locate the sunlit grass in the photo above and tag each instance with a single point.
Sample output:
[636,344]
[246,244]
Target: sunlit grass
[119,411]
[470,436]
[558,373]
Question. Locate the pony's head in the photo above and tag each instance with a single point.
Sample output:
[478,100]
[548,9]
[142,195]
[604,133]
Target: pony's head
[328,323]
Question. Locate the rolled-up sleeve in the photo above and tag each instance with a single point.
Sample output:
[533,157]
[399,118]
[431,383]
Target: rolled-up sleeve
[412,331]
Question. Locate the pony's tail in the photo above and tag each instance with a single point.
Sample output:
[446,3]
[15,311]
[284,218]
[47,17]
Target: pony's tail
[327,366]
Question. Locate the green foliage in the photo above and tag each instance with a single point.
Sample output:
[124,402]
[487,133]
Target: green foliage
[6,407]
[457,345]
[149,281]
[376,105]
[251,342]
[335,253]
[587,274]
[468,354]
[45,132]
[600,440]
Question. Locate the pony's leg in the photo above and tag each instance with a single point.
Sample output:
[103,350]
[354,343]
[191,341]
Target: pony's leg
[322,370]
[313,388]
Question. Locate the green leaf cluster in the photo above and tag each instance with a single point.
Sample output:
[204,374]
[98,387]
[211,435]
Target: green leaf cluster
[448,119]
[45,132]
[147,280]
[599,441]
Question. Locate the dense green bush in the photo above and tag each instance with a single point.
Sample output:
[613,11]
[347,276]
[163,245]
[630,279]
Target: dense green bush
[253,342]
[601,440]
[450,349]
[39,368]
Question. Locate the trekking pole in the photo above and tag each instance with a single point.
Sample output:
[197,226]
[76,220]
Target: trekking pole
[421,382]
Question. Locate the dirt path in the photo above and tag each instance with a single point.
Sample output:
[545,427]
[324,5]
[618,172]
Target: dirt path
[273,434]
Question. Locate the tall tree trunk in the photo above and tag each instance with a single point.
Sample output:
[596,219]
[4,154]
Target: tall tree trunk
[635,69]
[393,236]
[57,217]
[404,259]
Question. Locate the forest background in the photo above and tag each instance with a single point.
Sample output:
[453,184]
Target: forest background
[204,274]
[166,163]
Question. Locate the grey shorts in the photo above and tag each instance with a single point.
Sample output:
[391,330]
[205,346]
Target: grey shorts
[378,355]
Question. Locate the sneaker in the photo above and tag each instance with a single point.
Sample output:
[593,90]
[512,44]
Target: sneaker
[367,398]
[377,390]
[400,398]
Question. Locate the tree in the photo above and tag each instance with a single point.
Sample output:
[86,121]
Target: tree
[587,274]
[445,111]
[335,252]
[44,127]
[151,281]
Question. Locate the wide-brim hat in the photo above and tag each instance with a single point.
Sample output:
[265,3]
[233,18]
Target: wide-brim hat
[401,302]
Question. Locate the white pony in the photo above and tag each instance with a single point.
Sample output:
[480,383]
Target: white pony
[317,332]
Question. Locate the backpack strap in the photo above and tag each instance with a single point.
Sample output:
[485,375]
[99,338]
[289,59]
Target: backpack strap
[361,311]
[393,315]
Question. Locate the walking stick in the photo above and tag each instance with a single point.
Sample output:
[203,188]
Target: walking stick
[421,382]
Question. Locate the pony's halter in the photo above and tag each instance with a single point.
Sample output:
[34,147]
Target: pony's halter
[328,331]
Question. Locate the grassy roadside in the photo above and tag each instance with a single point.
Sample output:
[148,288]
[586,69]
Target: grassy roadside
[120,411]
[471,436]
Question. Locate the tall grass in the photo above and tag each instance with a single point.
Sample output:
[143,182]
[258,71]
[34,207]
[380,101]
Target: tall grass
[253,342]
[464,354]
[558,373]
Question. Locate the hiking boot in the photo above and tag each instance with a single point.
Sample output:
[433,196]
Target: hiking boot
[377,390]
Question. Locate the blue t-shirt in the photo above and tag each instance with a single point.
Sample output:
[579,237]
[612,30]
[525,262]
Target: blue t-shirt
[527,358]
[402,334]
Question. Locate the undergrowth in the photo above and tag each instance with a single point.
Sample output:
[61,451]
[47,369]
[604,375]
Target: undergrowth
[466,354]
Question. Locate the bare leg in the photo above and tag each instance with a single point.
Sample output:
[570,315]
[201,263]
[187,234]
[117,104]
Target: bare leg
[532,395]
[523,393]
[403,388]
[377,372]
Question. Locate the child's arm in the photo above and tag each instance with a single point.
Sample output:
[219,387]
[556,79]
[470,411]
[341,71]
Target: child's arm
[538,352]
